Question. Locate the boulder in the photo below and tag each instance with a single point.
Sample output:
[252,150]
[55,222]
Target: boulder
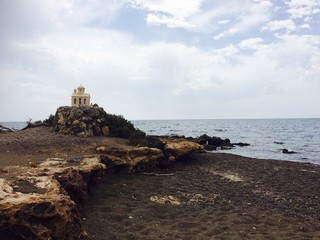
[212,143]
[130,160]
[177,149]
[241,144]
[105,130]
[286,151]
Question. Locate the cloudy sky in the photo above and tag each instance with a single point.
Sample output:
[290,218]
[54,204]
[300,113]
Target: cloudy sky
[161,59]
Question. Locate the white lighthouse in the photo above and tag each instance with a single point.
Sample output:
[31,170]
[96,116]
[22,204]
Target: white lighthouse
[79,97]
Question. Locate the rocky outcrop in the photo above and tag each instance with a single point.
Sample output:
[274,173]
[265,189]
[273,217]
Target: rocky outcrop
[39,202]
[212,143]
[144,158]
[286,151]
[176,149]
[81,121]
[130,160]
[92,120]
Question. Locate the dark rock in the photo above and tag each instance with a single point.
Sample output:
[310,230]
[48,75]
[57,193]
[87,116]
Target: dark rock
[286,151]
[213,141]
[241,144]
[280,143]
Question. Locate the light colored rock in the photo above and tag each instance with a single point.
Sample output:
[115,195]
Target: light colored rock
[105,130]
[46,197]
[165,200]
[178,149]
[75,122]
[130,158]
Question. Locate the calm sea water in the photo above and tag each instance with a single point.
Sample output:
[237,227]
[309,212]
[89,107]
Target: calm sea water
[264,135]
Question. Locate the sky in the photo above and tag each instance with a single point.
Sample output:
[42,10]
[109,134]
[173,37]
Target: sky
[161,59]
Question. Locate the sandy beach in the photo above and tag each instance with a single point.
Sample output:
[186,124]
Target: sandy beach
[222,196]
[214,195]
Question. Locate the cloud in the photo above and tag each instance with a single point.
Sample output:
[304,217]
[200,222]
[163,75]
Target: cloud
[303,8]
[46,55]
[287,24]
[251,43]
[170,13]
[252,16]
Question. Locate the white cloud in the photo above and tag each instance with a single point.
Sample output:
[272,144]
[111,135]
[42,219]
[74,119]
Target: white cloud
[302,8]
[223,22]
[305,26]
[69,43]
[158,19]
[255,14]
[178,8]
[170,13]
[251,43]
[287,24]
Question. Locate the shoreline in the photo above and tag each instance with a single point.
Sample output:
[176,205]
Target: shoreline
[220,194]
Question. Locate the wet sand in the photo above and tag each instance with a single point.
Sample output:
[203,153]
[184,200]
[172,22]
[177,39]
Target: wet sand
[223,196]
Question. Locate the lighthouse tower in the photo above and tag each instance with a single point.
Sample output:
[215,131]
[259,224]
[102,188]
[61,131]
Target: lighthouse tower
[79,97]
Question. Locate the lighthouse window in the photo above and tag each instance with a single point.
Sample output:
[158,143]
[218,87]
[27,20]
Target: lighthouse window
[74,101]
[84,101]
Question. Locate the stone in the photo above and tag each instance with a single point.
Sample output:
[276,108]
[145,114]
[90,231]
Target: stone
[105,130]
[130,160]
[47,199]
[241,144]
[83,121]
[178,149]
[165,200]
[286,151]
[214,141]
[75,122]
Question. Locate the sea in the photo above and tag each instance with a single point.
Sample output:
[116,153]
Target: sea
[267,137]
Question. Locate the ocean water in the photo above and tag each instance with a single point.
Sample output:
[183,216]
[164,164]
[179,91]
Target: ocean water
[14,125]
[263,135]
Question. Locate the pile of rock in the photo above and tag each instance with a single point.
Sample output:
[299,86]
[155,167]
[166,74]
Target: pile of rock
[81,120]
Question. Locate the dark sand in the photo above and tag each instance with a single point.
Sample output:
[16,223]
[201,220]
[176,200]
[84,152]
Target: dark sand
[223,196]
[241,198]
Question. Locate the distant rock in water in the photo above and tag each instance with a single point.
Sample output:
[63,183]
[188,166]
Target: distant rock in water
[211,143]
[279,143]
[241,144]
[286,151]
[89,121]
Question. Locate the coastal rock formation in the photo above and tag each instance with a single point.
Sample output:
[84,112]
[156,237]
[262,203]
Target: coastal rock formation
[177,149]
[286,151]
[81,121]
[130,159]
[39,202]
[86,121]
[212,143]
